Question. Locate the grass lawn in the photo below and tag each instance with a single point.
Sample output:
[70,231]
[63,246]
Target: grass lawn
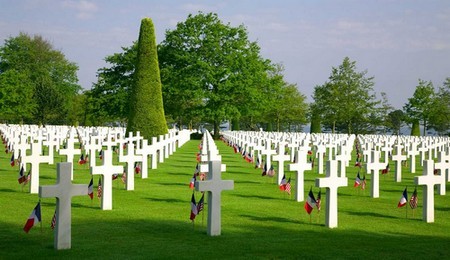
[258,220]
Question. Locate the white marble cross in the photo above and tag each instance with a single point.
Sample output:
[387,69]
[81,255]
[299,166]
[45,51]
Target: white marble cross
[92,146]
[70,151]
[332,182]
[374,167]
[428,179]
[131,158]
[214,185]
[35,159]
[145,150]
[268,152]
[319,155]
[412,152]
[443,165]
[64,190]
[107,170]
[398,157]
[281,158]
[300,167]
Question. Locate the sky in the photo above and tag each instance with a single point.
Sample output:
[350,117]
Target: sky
[397,42]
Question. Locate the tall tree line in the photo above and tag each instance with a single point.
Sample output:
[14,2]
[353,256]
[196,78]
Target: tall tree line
[210,73]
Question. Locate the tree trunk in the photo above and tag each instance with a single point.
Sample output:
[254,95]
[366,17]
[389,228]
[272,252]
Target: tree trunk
[216,129]
[333,130]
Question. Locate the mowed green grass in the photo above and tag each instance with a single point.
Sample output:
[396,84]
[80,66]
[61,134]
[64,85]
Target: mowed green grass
[258,220]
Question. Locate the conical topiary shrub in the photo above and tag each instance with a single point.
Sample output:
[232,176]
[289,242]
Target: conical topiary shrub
[146,105]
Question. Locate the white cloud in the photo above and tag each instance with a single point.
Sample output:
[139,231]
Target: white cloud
[85,9]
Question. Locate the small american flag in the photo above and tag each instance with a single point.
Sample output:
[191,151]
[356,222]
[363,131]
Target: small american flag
[319,200]
[201,204]
[124,177]
[287,188]
[363,183]
[53,224]
[413,200]
[99,188]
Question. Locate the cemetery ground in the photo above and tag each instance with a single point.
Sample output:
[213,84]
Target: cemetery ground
[258,220]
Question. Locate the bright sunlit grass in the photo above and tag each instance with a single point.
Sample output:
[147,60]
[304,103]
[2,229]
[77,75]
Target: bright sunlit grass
[258,220]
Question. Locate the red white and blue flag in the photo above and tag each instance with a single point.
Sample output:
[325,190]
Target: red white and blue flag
[81,161]
[12,161]
[319,200]
[22,176]
[201,204]
[283,183]
[53,224]
[413,200]
[288,186]
[194,210]
[403,199]
[99,188]
[91,188]
[192,183]
[34,218]
[137,168]
[310,202]
[357,181]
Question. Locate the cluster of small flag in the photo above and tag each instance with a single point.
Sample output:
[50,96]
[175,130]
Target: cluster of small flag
[404,199]
[285,185]
[36,217]
[360,182]
[268,173]
[196,208]
[312,202]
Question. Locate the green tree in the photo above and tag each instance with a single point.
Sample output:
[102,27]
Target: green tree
[146,104]
[440,114]
[16,103]
[209,70]
[315,120]
[283,105]
[419,106]
[395,120]
[109,96]
[52,78]
[346,100]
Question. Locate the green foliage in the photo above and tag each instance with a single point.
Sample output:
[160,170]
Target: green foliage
[315,121]
[16,97]
[419,106]
[283,104]
[42,70]
[395,120]
[146,104]
[415,128]
[109,96]
[346,100]
[440,109]
[210,70]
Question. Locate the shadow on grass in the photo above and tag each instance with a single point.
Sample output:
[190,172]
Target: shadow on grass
[257,197]
[8,190]
[442,208]
[144,237]
[369,214]
[168,200]
[272,219]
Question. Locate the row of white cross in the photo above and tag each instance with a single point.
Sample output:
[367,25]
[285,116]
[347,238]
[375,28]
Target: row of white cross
[211,162]
[271,147]
[21,138]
